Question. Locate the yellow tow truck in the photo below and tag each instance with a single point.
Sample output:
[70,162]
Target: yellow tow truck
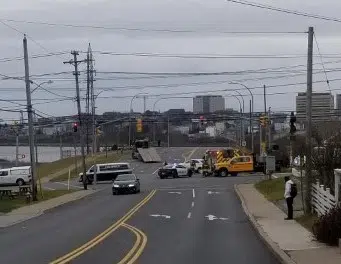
[234,166]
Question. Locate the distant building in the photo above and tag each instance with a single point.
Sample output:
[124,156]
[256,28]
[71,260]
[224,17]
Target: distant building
[322,107]
[208,104]
[338,104]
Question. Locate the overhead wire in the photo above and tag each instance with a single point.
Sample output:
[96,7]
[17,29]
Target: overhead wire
[284,10]
[324,69]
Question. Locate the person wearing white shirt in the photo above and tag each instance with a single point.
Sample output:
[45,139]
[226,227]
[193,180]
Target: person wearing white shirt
[288,198]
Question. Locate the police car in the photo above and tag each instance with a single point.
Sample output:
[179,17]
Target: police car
[174,171]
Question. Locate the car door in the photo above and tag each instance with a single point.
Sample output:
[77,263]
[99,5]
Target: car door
[5,178]
[236,165]
[182,170]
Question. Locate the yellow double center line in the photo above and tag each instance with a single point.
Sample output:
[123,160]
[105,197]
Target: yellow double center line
[93,242]
[140,243]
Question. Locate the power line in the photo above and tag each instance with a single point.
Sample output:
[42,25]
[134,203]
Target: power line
[283,10]
[144,29]
[324,69]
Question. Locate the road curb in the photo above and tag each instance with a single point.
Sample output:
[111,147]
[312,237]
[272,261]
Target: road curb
[29,212]
[274,248]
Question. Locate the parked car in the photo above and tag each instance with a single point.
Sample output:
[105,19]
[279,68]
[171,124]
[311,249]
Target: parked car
[194,164]
[15,176]
[106,172]
[127,183]
[174,170]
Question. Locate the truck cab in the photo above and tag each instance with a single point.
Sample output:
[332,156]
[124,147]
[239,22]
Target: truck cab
[234,166]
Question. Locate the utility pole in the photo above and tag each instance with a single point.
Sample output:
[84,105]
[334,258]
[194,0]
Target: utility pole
[75,63]
[30,121]
[144,103]
[36,139]
[308,176]
[87,102]
[250,124]
[269,127]
[168,136]
[17,143]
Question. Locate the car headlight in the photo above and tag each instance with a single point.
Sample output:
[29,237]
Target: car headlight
[131,185]
[116,185]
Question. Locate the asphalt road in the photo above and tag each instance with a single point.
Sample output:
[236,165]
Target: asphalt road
[185,220]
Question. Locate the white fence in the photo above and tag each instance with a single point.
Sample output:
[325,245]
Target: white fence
[322,200]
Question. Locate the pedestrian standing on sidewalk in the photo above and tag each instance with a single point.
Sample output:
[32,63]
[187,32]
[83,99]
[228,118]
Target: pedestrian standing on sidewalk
[289,195]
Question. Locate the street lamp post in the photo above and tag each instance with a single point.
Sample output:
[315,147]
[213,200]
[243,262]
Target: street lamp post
[240,118]
[252,110]
[130,112]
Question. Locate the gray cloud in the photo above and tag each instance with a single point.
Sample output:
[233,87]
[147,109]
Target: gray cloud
[207,20]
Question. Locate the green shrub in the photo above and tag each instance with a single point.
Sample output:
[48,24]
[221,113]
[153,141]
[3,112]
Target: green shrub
[327,228]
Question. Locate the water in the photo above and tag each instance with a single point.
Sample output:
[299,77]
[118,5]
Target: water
[45,154]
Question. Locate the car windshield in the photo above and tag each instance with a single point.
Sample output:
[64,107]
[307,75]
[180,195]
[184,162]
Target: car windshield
[126,177]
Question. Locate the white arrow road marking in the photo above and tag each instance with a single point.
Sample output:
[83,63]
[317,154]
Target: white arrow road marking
[210,192]
[175,192]
[163,216]
[213,217]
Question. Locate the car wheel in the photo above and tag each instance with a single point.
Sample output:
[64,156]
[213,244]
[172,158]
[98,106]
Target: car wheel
[199,170]
[175,174]
[114,193]
[20,182]
[189,173]
[223,173]
[205,174]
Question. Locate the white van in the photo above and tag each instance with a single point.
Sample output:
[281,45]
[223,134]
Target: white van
[15,176]
[107,171]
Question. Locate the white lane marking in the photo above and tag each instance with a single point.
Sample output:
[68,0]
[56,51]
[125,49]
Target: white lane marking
[48,188]
[156,171]
[176,192]
[193,193]
[213,217]
[158,215]
[210,192]
[192,204]
[189,215]
[65,184]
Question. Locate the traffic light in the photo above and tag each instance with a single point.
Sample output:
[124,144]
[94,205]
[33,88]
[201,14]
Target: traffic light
[263,121]
[292,123]
[139,125]
[75,127]
[202,120]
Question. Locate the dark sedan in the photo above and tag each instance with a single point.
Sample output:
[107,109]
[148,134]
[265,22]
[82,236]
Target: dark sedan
[127,183]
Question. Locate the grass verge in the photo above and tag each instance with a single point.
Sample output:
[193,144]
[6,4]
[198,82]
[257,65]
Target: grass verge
[273,189]
[99,158]
[307,221]
[45,169]
[7,205]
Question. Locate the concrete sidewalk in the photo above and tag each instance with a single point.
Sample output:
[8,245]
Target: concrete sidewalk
[291,242]
[27,212]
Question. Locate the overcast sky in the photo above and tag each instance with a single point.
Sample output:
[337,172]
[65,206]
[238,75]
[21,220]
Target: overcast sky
[186,27]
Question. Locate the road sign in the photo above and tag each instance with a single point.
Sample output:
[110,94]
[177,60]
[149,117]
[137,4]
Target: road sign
[244,143]
[270,163]
[158,215]
[213,217]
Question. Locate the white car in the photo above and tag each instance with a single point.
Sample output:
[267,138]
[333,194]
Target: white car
[15,176]
[195,164]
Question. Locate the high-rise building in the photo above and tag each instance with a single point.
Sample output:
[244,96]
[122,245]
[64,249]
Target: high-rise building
[338,102]
[208,104]
[322,107]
